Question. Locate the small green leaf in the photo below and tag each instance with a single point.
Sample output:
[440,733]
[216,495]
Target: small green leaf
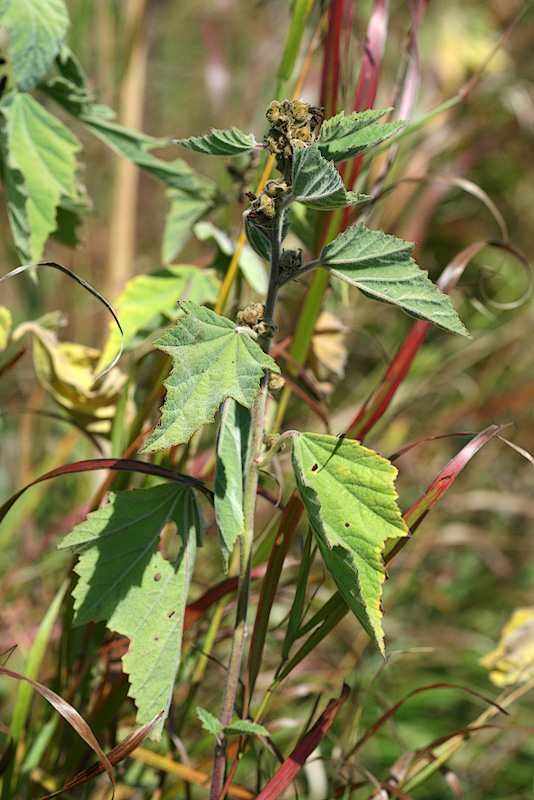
[43,150]
[244,726]
[233,441]
[213,360]
[316,182]
[259,242]
[381,267]
[146,298]
[124,579]
[344,137]
[348,492]
[36,30]
[220,142]
[209,722]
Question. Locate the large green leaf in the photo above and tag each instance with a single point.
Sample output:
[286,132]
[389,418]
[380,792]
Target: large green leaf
[124,579]
[344,137]
[213,359]
[349,494]
[317,183]
[381,267]
[43,151]
[233,441]
[146,298]
[219,142]
[36,30]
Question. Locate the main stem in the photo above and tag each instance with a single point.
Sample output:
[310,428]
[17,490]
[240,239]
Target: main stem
[247,537]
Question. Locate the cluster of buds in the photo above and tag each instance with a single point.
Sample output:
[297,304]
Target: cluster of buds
[294,124]
[252,317]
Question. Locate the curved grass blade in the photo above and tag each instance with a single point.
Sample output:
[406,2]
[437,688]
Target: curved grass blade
[90,289]
[74,719]
[118,464]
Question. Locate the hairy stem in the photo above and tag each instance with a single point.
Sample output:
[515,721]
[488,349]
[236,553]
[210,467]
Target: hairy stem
[247,537]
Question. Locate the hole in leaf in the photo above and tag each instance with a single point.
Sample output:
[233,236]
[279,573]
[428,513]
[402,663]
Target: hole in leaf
[315,467]
[347,524]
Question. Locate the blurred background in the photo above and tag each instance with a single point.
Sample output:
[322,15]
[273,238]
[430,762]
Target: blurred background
[178,68]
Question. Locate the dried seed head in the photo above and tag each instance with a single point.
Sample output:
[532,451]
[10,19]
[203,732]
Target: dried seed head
[300,110]
[267,205]
[273,112]
[250,315]
[276,382]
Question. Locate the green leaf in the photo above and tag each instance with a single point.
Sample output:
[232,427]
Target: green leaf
[259,242]
[344,137]
[185,210]
[124,579]
[348,492]
[43,150]
[317,183]
[244,726]
[146,298]
[213,359]
[220,142]
[250,265]
[381,267]
[36,30]
[16,199]
[233,441]
[209,722]
[134,146]
[340,126]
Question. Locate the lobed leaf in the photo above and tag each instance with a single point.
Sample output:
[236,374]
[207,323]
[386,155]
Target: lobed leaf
[348,492]
[124,579]
[213,359]
[381,266]
[233,441]
[42,150]
[36,30]
[220,142]
[316,182]
[343,137]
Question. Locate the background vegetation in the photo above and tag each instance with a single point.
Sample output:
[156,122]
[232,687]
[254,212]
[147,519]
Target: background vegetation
[176,69]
